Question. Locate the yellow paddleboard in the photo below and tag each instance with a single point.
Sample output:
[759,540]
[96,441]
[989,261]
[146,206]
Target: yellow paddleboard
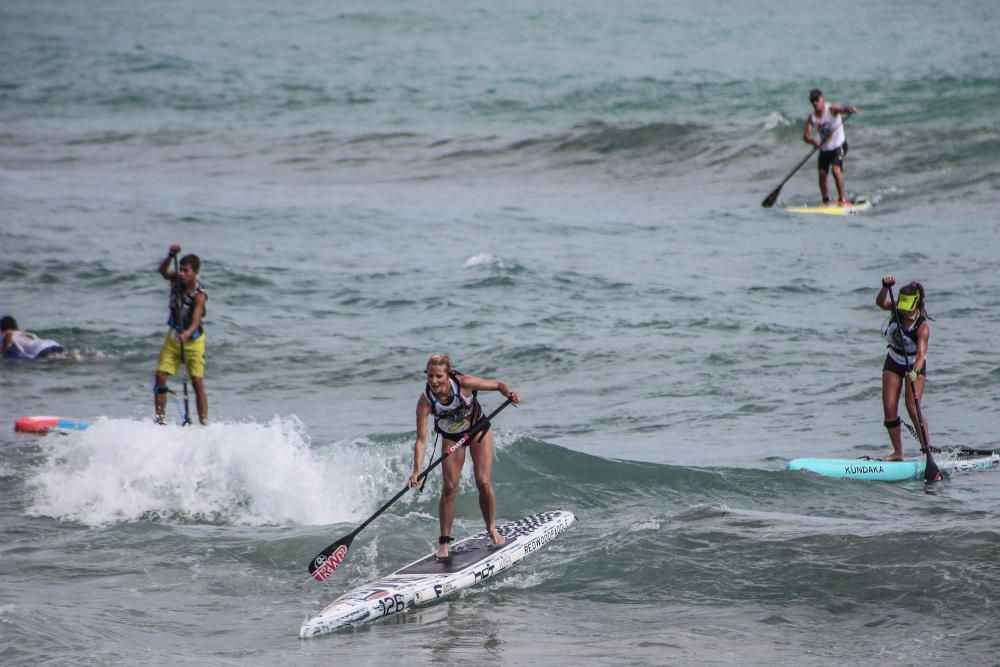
[860,205]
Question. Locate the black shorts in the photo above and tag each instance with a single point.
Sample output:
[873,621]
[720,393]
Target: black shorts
[899,369]
[455,437]
[836,156]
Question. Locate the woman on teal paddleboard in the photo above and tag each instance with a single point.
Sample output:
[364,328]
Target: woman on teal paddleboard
[907,346]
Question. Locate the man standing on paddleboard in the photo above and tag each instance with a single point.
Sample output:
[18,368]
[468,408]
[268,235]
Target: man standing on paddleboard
[451,398]
[828,122]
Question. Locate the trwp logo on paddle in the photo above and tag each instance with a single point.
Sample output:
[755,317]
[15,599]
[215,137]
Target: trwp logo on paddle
[328,565]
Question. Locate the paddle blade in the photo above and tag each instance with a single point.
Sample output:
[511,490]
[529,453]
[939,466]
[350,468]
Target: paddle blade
[931,471]
[328,560]
[771,198]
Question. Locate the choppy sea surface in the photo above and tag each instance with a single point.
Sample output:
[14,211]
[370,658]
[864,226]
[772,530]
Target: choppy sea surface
[565,196]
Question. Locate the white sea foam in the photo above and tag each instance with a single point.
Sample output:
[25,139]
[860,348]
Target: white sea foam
[519,580]
[642,526]
[484,259]
[242,473]
[776,119]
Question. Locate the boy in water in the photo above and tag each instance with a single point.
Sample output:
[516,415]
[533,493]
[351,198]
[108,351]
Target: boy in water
[185,341]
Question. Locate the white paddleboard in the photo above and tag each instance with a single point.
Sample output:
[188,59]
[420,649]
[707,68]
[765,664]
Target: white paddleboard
[473,560]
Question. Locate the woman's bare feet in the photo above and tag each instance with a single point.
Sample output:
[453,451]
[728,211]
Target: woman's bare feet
[442,552]
[496,536]
[892,457]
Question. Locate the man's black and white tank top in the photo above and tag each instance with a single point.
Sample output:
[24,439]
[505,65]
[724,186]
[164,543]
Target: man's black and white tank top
[830,128]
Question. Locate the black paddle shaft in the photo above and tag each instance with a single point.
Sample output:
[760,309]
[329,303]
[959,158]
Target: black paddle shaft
[773,197]
[179,322]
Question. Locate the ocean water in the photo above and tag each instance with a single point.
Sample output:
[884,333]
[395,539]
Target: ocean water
[565,196]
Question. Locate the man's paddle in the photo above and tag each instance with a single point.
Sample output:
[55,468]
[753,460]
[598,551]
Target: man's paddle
[773,197]
[931,471]
[178,322]
[323,565]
